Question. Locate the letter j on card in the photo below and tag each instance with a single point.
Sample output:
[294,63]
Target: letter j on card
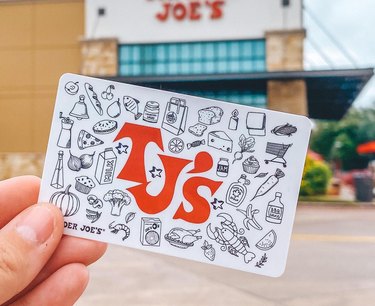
[163,172]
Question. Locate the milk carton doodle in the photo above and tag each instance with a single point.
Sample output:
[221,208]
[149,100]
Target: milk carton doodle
[163,172]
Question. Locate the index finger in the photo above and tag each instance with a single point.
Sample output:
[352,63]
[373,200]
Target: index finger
[16,194]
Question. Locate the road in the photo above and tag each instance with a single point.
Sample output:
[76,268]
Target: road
[331,262]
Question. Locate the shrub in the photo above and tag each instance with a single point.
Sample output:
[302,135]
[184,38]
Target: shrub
[315,179]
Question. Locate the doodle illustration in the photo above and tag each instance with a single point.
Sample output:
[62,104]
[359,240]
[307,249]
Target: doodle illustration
[216,204]
[85,161]
[210,115]
[79,109]
[260,175]
[86,140]
[92,215]
[267,242]
[58,174]
[246,145]
[129,217]
[269,183]
[222,167]
[176,145]
[107,94]
[118,199]
[279,151]
[84,184]
[65,136]
[182,238]
[71,88]
[105,127]
[94,201]
[175,116]
[151,112]
[250,165]
[93,97]
[262,261]
[122,148]
[249,220]
[120,227]
[150,231]
[233,121]
[228,236]
[67,201]
[132,106]
[209,251]
[155,172]
[220,140]
[275,210]
[284,130]
[114,110]
[74,163]
[237,191]
[197,129]
[195,144]
[256,123]
[105,167]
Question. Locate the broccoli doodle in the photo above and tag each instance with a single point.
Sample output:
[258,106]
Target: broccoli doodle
[118,199]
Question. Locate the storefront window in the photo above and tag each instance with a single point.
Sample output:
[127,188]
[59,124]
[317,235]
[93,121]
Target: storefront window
[192,58]
[257,99]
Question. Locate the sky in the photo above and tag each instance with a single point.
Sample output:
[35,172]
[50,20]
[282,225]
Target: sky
[352,23]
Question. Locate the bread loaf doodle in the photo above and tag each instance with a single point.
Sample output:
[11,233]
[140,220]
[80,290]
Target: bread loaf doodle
[210,115]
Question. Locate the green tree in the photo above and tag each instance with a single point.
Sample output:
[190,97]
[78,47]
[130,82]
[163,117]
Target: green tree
[339,140]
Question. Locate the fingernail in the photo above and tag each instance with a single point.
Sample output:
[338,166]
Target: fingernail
[37,225]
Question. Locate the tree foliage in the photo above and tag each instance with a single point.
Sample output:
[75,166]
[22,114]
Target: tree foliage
[339,140]
[315,179]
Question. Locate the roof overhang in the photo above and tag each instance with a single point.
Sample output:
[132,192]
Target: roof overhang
[330,93]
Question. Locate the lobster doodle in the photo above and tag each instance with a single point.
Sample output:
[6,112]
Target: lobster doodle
[228,237]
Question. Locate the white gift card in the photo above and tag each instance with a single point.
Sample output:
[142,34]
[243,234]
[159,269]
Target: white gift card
[175,174]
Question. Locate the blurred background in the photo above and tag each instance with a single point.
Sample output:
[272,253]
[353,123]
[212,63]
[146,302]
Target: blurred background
[309,57]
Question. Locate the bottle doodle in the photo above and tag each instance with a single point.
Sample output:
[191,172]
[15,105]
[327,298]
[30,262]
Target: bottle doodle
[275,210]
[237,191]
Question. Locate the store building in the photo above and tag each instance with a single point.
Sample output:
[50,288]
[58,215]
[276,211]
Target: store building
[242,51]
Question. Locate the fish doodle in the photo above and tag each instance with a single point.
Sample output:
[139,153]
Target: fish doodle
[132,106]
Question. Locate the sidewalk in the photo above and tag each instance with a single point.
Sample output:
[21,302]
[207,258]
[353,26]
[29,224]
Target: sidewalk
[330,263]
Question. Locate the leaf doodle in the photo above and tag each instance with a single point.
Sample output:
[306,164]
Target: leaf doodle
[263,174]
[262,261]
[130,216]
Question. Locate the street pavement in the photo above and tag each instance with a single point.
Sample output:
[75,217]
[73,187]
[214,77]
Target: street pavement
[331,262]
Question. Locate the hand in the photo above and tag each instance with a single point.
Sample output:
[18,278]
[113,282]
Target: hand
[39,266]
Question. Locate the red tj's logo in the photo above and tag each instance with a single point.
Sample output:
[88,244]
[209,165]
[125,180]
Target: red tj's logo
[134,170]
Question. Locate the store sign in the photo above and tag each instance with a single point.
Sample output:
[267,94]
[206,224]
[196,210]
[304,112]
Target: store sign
[175,174]
[193,10]
[161,21]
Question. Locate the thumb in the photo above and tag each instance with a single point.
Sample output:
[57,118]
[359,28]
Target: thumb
[26,244]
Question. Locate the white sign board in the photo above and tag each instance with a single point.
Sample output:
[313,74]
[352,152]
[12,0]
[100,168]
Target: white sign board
[154,21]
[174,174]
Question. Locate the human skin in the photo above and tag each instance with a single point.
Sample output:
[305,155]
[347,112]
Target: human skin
[38,264]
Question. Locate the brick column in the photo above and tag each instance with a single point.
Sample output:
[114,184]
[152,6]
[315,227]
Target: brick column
[284,51]
[99,57]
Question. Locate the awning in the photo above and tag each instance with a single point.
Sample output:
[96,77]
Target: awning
[366,148]
[330,93]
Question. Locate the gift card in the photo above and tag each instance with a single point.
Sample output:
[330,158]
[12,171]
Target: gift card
[169,173]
